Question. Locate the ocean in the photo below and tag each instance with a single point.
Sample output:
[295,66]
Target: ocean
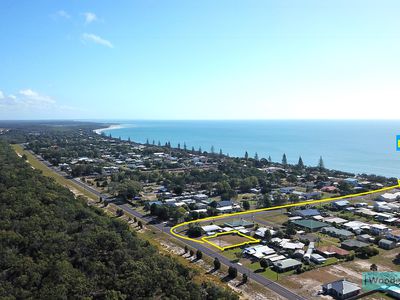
[353,146]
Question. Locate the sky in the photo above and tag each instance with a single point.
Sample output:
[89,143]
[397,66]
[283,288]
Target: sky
[206,59]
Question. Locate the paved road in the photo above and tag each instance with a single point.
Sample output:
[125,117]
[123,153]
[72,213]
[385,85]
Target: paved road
[272,285]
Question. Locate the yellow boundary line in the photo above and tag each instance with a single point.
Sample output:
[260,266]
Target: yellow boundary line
[172,230]
[250,238]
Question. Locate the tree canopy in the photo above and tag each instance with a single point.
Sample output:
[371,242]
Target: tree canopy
[53,246]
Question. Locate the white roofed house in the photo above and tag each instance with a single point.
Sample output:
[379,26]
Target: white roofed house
[318,259]
[200,197]
[379,229]
[389,197]
[211,228]
[261,231]
[356,226]
[287,244]
[258,251]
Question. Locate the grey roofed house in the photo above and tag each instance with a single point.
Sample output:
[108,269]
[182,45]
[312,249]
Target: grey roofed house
[387,244]
[353,244]
[341,289]
[286,264]
[341,204]
[238,223]
[306,212]
[340,233]
[224,203]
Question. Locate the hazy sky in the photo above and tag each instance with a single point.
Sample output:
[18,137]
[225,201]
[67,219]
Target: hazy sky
[199,59]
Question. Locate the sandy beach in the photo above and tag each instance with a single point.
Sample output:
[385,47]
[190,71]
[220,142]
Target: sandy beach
[100,130]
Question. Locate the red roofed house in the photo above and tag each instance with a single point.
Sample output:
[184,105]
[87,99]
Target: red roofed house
[332,250]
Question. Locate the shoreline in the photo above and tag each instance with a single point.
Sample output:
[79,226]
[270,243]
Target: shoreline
[111,127]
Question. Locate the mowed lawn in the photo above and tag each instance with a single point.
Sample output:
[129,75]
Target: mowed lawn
[46,171]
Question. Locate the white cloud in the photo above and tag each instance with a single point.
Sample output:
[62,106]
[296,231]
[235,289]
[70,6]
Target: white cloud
[90,17]
[1,95]
[32,96]
[62,14]
[97,40]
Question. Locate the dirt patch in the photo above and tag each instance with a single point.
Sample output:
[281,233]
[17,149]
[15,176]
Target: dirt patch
[228,240]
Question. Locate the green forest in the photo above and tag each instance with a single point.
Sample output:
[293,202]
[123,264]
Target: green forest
[53,246]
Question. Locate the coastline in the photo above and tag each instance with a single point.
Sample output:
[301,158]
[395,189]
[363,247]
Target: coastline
[111,127]
[342,147]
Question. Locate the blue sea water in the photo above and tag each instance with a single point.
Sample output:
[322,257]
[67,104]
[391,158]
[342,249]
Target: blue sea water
[353,146]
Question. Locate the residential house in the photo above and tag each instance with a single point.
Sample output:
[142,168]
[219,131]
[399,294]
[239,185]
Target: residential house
[318,259]
[211,229]
[311,225]
[342,204]
[286,265]
[353,244]
[312,195]
[239,223]
[287,244]
[379,229]
[306,213]
[365,238]
[200,197]
[387,244]
[389,197]
[258,251]
[261,232]
[329,189]
[356,226]
[335,220]
[393,235]
[339,233]
[351,181]
[286,190]
[341,289]
[331,250]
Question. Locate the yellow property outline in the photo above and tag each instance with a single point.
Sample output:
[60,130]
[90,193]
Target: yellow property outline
[250,238]
[172,230]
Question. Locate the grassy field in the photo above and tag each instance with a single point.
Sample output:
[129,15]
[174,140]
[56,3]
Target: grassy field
[276,217]
[46,171]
